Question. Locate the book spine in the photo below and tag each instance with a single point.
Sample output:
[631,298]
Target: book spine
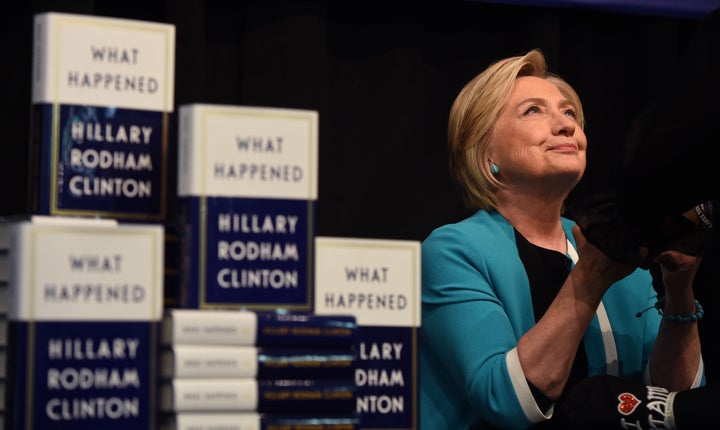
[3,368]
[210,361]
[171,286]
[257,395]
[249,328]
[2,395]
[3,266]
[4,331]
[258,421]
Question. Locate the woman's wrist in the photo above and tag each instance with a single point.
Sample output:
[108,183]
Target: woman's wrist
[684,317]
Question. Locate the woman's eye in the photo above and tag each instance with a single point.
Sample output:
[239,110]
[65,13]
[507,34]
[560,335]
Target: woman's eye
[532,109]
[571,113]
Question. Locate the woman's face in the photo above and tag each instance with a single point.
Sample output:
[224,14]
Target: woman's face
[536,140]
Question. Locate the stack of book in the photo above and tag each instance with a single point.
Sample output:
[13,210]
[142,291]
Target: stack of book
[223,368]
[378,282]
[86,271]
[102,100]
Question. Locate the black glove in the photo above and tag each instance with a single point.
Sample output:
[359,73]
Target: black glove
[609,402]
[638,241]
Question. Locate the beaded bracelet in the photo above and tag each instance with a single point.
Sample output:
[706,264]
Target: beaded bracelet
[660,304]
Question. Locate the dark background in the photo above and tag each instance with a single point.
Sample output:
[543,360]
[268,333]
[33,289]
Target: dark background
[382,76]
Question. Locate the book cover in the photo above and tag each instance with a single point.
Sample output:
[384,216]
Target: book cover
[257,395]
[102,93]
[227,361]
[247,186]
[258,421]
[378,281]
[84,314]
[257,328]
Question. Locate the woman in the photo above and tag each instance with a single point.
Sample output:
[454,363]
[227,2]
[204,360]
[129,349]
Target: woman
[515,306]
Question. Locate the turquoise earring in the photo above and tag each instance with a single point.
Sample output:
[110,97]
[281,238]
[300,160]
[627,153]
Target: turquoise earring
[494,169]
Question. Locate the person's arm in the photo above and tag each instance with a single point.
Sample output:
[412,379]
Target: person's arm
[470,319]
[477,307]
[675,362]
[548,349]
[608,402]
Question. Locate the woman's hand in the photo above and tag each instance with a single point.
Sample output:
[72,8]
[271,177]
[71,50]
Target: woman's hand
[678,269]
[597,262]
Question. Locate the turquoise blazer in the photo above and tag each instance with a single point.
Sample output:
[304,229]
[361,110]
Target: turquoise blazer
[476,304]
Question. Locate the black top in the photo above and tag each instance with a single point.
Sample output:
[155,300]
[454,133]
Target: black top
[547,270]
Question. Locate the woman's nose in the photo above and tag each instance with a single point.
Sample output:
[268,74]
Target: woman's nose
[563,124]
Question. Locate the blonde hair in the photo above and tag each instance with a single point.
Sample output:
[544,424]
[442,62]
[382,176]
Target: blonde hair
[473,116]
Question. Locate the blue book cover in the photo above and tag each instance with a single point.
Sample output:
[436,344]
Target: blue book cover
[102,93]
[246,253]
[247,187]
[377,281]
[84,316]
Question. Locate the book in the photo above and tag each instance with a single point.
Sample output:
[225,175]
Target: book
[85,308]
[102,93]
[225,361]
[258,421]
[377,281]
[257,395]
[247,188]
[257,328]
[3,266]
[4,247]
[172,265]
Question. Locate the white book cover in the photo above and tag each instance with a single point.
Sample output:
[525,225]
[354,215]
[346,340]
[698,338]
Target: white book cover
[102,92]
[85,305]
[246,151]
[94,60]
[247,186]
[379,282]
